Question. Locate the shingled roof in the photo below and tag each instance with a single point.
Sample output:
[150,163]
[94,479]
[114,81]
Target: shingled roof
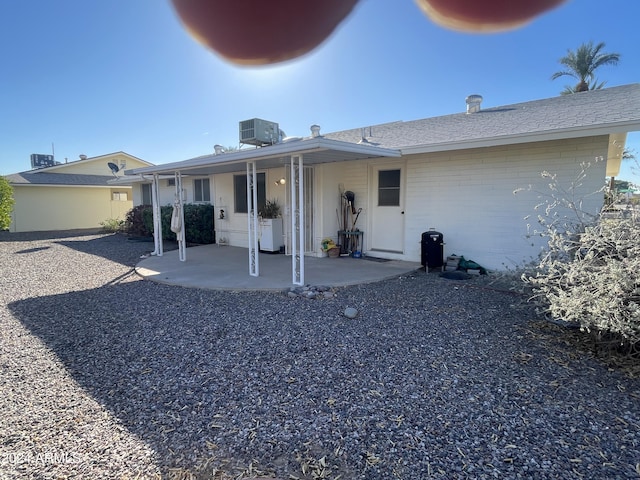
[66,179]
[596,112]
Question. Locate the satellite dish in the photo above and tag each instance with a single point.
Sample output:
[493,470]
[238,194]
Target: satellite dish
[114,168]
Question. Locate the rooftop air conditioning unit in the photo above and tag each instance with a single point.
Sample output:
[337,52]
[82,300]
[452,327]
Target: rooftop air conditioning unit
[39,160]
[259,132]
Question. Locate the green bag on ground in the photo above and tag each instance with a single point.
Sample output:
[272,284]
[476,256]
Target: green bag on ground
[470,264]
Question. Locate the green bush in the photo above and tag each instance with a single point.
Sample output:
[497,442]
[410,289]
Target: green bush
[198,220]
[589,275]
[135,223]
[6,203]
[147,220]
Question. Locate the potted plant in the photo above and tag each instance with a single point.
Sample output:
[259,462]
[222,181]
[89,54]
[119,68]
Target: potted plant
[271,209]
[270,226]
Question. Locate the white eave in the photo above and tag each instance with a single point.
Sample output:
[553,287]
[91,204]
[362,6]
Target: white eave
[131,179]
[316,150]
[560,134]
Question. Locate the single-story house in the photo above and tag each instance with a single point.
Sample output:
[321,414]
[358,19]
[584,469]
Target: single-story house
[72,195]
[455,174]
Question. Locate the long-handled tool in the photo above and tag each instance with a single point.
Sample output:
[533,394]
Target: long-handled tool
[353,227]
[341,218]
[351,216]
[351,199]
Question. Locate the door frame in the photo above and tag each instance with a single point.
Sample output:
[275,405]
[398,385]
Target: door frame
[373,170]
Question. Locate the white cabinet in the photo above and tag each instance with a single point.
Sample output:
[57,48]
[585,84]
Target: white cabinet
[271,234]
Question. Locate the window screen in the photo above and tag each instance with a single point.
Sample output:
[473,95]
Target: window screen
[146,194]
[201,192]
[389,188]
[240,192]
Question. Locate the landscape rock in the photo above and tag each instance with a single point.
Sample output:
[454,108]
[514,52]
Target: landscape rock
[311,292]
[350,312]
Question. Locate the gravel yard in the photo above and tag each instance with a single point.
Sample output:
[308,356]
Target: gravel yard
[105,375]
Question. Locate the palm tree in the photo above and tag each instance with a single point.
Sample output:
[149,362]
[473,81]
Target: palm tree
[593,85]
[582,65]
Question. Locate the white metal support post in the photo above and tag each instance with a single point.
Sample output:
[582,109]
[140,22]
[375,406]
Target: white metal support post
[180,236]
[252,222]
[297,220]
[157,220]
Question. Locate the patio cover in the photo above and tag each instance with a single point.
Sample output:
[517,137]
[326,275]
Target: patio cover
[296,153]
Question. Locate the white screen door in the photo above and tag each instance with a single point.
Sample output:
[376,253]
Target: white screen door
[387,222]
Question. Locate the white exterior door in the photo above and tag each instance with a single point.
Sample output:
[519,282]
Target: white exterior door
[387,207]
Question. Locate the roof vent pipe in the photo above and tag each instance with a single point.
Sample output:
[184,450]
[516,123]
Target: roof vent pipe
[363,138]
[218,149]
[473,103]
[315,131]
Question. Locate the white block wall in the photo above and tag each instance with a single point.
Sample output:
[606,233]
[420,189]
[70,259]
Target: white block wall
[468,196]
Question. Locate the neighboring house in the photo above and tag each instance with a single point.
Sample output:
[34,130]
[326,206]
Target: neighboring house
[455,174]
[72,195]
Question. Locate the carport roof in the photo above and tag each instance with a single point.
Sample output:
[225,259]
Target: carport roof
[316,150]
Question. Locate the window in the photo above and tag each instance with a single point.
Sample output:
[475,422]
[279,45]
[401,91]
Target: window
[119,196]
[240,192]
[171,182]
[146,194]
[201,192]
[389,188]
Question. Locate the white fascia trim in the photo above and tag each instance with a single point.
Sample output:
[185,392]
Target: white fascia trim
[277,150]
[131,179]
[126,181]
[623,127]
[37,185]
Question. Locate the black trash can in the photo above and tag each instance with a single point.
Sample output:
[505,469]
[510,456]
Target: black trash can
[432,250]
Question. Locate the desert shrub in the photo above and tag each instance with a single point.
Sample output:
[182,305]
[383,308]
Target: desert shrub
[112,225]
[588,274]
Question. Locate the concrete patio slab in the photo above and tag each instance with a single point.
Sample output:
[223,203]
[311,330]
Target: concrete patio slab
[227,268]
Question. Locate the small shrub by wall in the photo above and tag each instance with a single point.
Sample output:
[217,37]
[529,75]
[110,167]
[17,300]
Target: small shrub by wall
[135,221]
[198,220]
[112,225]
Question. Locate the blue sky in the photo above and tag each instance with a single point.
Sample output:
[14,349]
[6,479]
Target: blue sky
[95,77]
